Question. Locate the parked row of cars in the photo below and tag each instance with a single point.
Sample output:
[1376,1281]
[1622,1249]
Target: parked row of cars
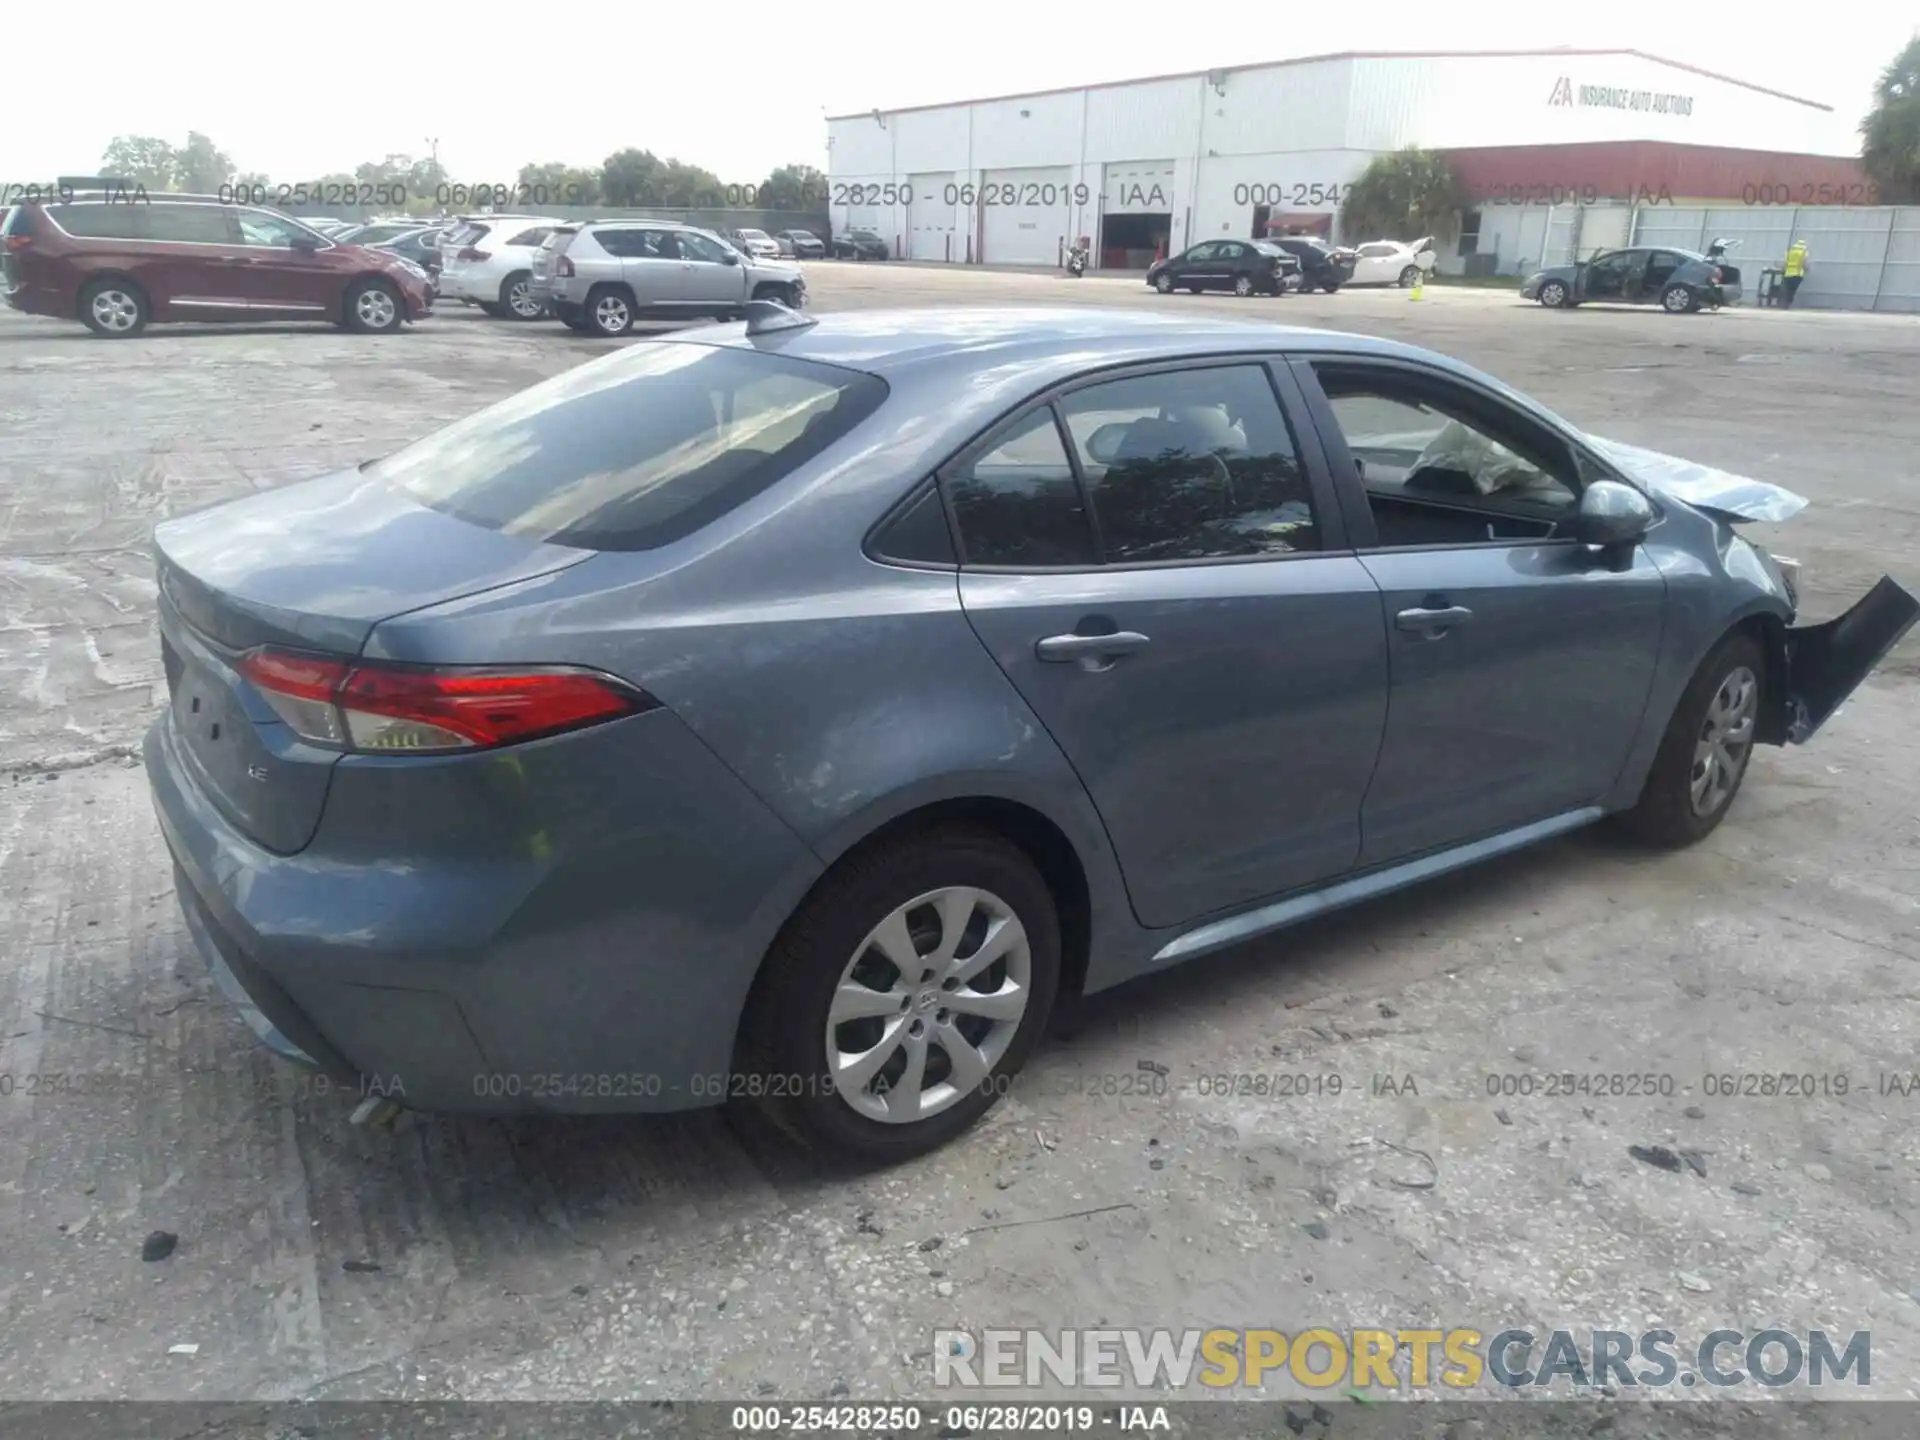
[1277,264]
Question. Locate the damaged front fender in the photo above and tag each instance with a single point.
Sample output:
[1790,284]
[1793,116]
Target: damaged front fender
[1827,662]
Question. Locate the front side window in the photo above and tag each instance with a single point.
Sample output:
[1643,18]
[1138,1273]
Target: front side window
[1191,465]
[259,228]
[694,246]
[637,450]
[1018,505]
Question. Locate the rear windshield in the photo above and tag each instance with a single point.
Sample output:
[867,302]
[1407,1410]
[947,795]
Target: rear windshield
[637,450]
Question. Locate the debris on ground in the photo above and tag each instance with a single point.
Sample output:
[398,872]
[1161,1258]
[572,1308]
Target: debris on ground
[359,1267]
[159,1245]
[1658,1156]
[1316,1228]
[1696,1162]
[1693,1282]
[186,1347]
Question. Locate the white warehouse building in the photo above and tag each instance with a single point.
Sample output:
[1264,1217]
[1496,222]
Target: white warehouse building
[1151,166]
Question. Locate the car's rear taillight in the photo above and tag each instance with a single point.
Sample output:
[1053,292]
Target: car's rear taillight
[406,709]
[563,266]
[469,253]
[18,242]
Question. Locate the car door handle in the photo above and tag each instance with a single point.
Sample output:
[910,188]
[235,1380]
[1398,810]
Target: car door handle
[1433,623]
[1077,647]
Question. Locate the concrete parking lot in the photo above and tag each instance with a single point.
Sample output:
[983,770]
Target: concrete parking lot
[650,1258]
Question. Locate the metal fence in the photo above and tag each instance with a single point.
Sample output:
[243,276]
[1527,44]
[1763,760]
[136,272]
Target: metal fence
[718,220]
[1858,257]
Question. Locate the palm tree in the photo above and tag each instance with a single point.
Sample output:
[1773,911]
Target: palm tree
[1890,152]
[1403,195]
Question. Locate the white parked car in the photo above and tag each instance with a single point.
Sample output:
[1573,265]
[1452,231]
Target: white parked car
[756,244]
[487,260]
[1392,262]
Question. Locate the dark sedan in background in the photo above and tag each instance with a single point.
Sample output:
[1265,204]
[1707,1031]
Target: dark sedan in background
[1322,266]
[1678,281]
[1246,267]
[800,244]
[860,244]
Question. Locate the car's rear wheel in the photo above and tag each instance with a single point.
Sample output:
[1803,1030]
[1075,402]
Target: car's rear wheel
[900,1001]
[1678,299]
[1408,276]
[609,310]
[1553,295]
[117,309]
[1243,285]
[1704,754]
[1163,282]
[373,308]
[517,300]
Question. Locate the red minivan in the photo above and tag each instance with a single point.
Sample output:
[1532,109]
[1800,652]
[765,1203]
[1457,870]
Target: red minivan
[117,264]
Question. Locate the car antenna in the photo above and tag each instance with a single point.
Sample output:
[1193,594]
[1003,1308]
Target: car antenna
[767,316]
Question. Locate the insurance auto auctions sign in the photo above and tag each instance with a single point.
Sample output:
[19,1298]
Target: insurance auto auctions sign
[1618,97]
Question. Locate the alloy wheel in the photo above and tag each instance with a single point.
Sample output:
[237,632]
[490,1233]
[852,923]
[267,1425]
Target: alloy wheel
[375,309]
[1553,294]
[1164,283]
[116,310]
[1242,285]
[928,1004]
[611,315]
[522,301]
[1726,740]
[1678,300]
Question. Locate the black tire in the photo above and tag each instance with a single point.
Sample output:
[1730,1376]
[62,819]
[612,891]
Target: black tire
[1331,289]
[1666,816]
[1408,276]
[576,324]
[1679,299]
[373,307]
[508,309]
[608,319]
[489,308]
[115,309]
[784,1032]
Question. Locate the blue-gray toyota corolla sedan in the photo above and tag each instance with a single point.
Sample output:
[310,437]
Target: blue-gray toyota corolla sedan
[789,712]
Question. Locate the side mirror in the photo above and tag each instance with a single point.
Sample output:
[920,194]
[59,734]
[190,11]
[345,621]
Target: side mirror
[732,257]
[1612,514]
[308,243]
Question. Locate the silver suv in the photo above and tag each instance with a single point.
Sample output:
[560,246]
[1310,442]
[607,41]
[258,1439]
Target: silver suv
[603,275]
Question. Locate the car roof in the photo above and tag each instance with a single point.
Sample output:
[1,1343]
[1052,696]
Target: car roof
[1052,344]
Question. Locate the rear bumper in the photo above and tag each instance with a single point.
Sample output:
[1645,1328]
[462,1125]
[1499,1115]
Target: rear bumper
[572,925]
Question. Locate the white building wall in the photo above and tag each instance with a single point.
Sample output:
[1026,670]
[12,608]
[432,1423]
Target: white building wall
[1296,135]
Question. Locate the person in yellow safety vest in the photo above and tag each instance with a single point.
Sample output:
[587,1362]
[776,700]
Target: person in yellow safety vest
[1796,271]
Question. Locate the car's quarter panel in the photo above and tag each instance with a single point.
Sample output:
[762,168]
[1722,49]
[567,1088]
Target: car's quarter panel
[570,924]
[1228,756]
[1525,709]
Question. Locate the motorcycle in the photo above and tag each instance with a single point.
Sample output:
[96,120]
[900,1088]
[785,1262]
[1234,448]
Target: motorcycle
[1077,261]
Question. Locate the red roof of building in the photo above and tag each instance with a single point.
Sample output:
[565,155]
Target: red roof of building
[1639,169]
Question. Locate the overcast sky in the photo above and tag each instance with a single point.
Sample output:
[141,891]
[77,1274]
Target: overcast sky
[299,90]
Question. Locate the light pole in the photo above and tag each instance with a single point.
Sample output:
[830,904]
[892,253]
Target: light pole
[433,145]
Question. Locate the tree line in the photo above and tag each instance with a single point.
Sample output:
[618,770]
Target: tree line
[628,177]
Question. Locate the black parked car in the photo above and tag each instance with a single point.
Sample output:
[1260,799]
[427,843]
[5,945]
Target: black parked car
[859,244]
[418,246]
[1678,281]
[1246,267]
[1326,266]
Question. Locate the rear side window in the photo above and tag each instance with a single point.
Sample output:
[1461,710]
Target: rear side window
[638,450]
[101,221]
[1018,505]
[531,237]
[463,234]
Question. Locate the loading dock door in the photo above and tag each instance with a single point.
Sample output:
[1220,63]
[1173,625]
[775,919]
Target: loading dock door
[1024,215]
[930,219]
[1136,213]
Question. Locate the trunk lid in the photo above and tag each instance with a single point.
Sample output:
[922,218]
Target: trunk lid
[313,566]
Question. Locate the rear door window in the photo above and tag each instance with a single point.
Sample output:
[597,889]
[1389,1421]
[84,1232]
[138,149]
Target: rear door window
[190,224]
[636,451]
[1018,504]
[101,221]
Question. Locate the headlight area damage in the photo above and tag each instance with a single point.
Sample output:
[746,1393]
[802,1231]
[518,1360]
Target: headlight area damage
[1824,663]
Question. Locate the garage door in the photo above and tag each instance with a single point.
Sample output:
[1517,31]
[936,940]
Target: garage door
[1139,187]
[930,219]
[1025,215]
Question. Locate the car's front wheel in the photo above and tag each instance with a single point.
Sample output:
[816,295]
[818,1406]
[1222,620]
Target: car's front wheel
[898,1004]
[1704,754]
[1553,295]
[1163,282]
[1679,299]
[373,308]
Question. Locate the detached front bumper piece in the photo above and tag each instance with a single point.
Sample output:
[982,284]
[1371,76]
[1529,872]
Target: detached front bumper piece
[1826,663]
